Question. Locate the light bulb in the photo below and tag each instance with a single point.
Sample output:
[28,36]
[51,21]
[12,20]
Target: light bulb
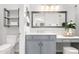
[46,7]
[56,8]
[42,7]
[52,8]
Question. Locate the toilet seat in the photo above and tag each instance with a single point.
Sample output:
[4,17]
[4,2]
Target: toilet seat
[8,47]
[70,50]
[5,48]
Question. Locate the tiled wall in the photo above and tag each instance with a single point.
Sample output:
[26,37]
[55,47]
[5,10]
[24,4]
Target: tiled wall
[71,12]
[6,31]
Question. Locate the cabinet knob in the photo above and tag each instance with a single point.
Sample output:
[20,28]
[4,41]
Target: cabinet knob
[40,44]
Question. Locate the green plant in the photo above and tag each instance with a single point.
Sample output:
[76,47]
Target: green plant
[68,25]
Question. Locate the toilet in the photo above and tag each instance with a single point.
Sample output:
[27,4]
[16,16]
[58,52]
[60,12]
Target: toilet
[5,49]
[8,47]
[70,50]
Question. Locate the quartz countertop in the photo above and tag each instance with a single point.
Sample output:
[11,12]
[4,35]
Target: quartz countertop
[40,34]
[58,36]
[67,37]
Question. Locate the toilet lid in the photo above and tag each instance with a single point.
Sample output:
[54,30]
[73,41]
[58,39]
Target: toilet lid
[70,49]
[5,46]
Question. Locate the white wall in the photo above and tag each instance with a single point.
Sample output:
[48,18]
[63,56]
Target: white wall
[68,8]
[71,13]
[22,32]
[10,30]
[4,31]
[65,7]
[77,19]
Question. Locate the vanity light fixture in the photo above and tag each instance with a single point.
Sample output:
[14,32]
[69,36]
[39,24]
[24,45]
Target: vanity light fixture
[56,8]
[49,7]
[42,7]
[52,8]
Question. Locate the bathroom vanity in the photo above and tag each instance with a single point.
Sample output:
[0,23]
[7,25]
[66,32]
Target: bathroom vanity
[40,44]
[45,43]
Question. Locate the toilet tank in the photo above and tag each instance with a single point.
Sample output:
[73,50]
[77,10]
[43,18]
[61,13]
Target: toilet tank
[12,39]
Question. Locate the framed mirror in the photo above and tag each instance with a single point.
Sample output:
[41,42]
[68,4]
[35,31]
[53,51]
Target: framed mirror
[48,19]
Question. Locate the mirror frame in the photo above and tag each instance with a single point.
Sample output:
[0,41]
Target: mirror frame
[65,12]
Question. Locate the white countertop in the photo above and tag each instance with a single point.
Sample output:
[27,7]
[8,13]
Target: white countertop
[70,37]
[58,36]
[40,34]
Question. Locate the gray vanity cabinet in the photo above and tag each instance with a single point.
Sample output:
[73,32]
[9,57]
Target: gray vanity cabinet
[49,47]
[32,47]
[40,44]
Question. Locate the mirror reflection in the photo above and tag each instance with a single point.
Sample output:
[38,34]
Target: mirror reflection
[48,18]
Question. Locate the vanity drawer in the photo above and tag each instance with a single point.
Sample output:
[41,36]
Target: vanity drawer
[67,40]
[75,40]
[59,40]
[41,37]
[28,37]
[71,40]
[37,37]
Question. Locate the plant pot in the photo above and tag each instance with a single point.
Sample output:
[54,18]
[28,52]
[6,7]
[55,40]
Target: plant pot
[69,32]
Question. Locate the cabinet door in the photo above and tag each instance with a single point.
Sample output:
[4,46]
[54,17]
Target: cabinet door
[48,47]
[32,47]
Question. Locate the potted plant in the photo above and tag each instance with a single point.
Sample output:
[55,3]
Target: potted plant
[69,27]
